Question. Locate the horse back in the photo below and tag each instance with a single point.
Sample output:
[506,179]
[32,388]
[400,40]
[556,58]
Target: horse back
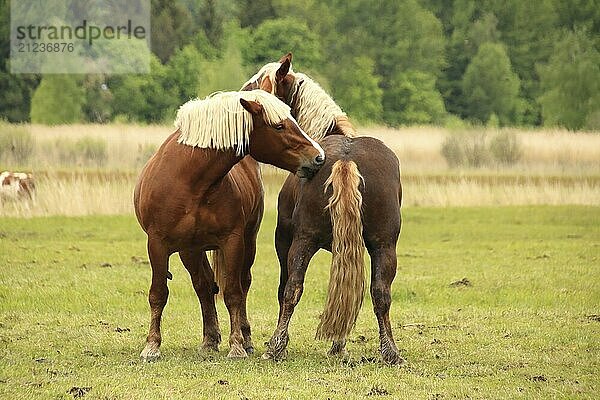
[304,202]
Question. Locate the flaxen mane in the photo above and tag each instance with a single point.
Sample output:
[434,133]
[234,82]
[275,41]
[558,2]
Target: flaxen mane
[316,112]
[220,122]
[267,70]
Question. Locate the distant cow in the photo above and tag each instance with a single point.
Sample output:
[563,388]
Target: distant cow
[16,185]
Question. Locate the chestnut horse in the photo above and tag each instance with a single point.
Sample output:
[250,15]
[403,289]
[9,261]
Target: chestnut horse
[199,192]
[359,193]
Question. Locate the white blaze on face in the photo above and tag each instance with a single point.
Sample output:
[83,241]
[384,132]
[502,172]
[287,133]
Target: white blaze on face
[311,140]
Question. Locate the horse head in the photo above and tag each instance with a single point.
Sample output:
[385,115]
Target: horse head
[282,143]
[316,112]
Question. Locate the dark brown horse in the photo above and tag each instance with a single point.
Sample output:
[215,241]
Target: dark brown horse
[199,192]
[359,192]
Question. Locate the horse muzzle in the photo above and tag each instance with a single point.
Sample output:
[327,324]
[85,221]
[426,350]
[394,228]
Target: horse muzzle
[309,169]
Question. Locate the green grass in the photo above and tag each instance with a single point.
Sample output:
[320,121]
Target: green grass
[524,329]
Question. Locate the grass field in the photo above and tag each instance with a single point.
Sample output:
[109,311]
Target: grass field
[74,314]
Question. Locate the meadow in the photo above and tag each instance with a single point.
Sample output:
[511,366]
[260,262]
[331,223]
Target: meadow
[523,324]
[497,293]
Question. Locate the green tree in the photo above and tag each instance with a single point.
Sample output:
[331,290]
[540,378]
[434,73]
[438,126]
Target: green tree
[273,38]
[144,97]
[254,12]
[529,30]
[172,27]
[578,14]
[98,99]
[58,100]
[399,37]
[490,86]
[184,71]
[571,83]
[17,90]
[416,99]
[226,72]
[357,90]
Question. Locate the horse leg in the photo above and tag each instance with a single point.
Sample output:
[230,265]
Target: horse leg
[338,348]
[282,246]
[157,297]
[383,271]
[233,254]
[246,280]
[300,253]
[202,278]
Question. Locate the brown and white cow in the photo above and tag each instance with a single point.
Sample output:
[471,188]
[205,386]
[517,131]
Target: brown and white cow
[16,185]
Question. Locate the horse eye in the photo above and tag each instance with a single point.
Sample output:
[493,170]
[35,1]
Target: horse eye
[279,127]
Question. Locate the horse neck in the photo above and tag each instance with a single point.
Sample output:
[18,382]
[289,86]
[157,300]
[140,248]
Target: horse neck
[203,167]
[214,166]
[343,127]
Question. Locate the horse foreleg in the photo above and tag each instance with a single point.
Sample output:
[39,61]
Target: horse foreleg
[246,280]
[383,271]
[300,253]
[233,253]
[283,242]
[202,278]
[157,297]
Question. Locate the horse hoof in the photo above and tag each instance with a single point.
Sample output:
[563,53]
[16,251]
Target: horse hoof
[210,348]
[249,350]
[339,353]
[237,351]
[269,355]
[151,353]
[394,359]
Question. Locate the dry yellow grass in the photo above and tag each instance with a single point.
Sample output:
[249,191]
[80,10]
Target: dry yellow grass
[558,167]
[90,194]
[544,151]
[123,141]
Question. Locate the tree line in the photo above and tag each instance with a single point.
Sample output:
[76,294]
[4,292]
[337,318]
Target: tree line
[501,62]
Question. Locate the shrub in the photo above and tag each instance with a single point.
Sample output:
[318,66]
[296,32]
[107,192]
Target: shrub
[92,151]
[65,151]
[86,151]
[16,144]
[452,150]
[476,152]
[472,149]
[145,151]
[506,148]
[466,148]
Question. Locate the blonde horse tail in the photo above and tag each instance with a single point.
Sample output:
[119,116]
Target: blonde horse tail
[347,276]
[217,261]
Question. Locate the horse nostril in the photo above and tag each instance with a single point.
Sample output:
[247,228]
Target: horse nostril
[319,159]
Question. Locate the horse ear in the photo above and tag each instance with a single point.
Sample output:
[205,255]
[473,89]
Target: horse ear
[283,69]
[251,106]
[287,56]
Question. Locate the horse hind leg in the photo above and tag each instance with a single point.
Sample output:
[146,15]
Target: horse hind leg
[300,253]
[202,278]
[246,280]
[157,297]
[383,271]
[338,349]
[233,256]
